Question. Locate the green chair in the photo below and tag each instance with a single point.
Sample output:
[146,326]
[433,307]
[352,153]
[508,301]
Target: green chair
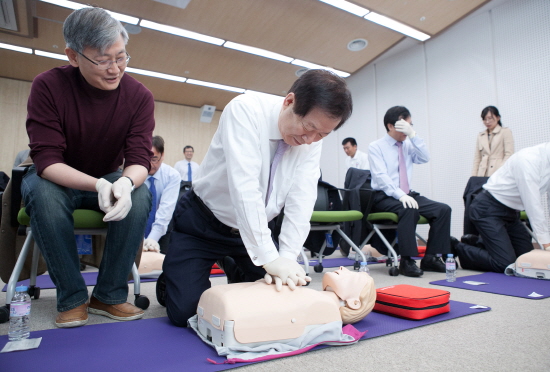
[86,222]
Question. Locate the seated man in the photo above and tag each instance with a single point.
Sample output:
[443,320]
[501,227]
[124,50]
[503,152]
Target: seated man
[391,159]
[238,192]
[164,184]
[355,158]
[518,185]
[84,120]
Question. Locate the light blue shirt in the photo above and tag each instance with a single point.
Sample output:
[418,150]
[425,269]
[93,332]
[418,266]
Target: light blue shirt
[167,186]
[384,162]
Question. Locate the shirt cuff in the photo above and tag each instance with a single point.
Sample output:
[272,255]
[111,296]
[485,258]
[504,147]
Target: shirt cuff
[263,254]
[155,235]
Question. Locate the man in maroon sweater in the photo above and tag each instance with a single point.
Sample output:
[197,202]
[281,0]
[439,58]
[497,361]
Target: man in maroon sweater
[84,121]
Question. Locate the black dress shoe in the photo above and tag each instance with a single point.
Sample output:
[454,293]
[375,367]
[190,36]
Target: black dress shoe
[470,239]
[454,243]
[161,290]
[408,267]
[432,263]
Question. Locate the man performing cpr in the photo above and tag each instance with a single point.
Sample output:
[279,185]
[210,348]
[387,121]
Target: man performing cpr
[264,156]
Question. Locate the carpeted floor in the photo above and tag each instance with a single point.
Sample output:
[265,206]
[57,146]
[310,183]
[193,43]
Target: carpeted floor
[514,335]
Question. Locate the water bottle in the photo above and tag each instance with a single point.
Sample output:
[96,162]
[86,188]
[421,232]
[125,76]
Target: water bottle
[20,310]
[450,268]
[364,268]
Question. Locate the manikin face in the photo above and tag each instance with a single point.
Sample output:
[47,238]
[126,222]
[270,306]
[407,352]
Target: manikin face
[297,130]
[156,161]
[491,121]
[102,79]
[350,150]
[346,284]
[398,136]
[188,153]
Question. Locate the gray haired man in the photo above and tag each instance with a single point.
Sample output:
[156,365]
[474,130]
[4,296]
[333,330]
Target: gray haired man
[84,120]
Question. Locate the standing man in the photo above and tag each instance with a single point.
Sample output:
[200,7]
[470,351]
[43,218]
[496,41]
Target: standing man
[164,184]
[264,156]
[391,161]
[187,169]
[355,158]
[84,120]
[520,184]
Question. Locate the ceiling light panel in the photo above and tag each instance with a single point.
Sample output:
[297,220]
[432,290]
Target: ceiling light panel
[181,32]
[214,85]
[41,53]
[313,66]
[258,52]
[396,26]
[155,74]
[16,48]
[72,5]
[347,6]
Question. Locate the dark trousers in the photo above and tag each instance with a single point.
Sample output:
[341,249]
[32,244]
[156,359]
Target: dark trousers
[438,215]
[504,236]
[197,242]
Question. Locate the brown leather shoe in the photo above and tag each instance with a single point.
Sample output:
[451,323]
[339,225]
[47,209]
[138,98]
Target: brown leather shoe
[125,311]
[73,318]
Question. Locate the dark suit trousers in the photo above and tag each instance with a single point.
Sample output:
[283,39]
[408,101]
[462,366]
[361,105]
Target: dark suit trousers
[504,236]
[438,215]
[197,242]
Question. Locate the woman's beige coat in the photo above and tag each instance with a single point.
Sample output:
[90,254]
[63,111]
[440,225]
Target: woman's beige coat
[488,160]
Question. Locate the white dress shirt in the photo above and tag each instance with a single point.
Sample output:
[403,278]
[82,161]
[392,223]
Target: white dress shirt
[234,178]
[384,162]
[167,186]
[521,183]
[181,167]
[360,160]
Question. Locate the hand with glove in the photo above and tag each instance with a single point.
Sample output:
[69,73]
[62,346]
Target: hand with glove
[104,195]
[285,271]
[408,202]
[149,245]
[405,128]
[122,191]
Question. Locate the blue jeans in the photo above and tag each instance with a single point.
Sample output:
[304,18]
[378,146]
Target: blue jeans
[51,207]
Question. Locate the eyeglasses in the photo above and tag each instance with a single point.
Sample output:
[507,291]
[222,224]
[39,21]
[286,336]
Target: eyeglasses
[155,159]
[488,119]
[105,65]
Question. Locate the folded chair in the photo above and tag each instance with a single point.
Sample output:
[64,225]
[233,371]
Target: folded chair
[86,222]
[327,216]
[384,221]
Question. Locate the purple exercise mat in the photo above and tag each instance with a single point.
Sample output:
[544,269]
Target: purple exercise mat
[502,284]
[157,345]
[45,282]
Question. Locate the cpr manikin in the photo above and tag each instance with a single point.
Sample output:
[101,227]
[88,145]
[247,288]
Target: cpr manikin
[253,321]
[150,265]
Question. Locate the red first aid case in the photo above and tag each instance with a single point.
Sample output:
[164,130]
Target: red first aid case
[411,302]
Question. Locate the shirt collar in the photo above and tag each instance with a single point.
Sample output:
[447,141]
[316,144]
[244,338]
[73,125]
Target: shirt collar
[390,140]
[274,133]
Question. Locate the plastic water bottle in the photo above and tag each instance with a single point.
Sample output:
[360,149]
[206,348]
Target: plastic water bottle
[450,268]
[364,268]
[20,310]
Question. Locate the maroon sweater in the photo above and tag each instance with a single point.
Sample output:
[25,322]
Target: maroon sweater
[89,129]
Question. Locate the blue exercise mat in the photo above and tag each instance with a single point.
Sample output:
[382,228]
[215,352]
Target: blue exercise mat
[157,345]
[533,289]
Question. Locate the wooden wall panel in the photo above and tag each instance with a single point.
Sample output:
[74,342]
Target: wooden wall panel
[178,125]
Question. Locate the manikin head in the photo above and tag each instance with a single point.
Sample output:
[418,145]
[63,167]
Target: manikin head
[356,290]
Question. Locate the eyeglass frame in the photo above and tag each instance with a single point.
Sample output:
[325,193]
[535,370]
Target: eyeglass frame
[155,159]
[110,62]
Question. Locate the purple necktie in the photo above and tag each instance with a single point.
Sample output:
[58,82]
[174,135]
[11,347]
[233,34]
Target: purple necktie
[281,148]
[403,179]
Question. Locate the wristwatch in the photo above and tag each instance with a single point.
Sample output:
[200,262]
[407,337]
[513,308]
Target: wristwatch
[132,182]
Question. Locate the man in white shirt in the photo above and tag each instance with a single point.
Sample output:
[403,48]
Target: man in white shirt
[164,184]
[264,156]
[518,185]
[187,169]
[391,161]
[355,158]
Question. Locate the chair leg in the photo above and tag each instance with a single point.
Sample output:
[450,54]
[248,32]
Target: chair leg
[352,244]
[532,234]
[391,251]
[306,261]
[421,238]
[12,283]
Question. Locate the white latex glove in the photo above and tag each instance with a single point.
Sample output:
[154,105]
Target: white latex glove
[122,191]
[405,128]
[285,271]
[408,202]
[104,196]
[149,245]
[546,247]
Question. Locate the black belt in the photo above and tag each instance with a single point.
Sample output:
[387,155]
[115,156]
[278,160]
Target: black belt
[211,215]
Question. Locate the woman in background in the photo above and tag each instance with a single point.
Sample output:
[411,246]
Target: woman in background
[494,145]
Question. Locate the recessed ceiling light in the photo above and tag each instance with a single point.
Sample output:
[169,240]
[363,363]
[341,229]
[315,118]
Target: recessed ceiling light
[357,45]
[132,29]
[301,71]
